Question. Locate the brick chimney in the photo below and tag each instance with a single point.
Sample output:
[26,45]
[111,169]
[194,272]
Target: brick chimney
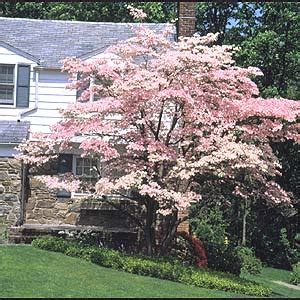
[186,26]
[186,18]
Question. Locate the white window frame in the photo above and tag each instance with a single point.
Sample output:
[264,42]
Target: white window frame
[79,194]
[14,105]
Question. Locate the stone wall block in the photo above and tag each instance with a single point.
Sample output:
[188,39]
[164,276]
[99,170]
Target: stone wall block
[71,218]
[61,206]
[14,165]
[30,205]
[45,204]
[11,197]
[49,213]
[4,175]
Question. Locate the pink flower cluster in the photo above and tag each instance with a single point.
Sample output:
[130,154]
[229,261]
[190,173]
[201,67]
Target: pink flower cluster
[180,110]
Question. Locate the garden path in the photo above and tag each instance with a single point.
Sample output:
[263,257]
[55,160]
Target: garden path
[291,286]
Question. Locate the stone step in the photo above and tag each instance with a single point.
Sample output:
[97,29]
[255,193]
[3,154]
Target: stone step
[27,232]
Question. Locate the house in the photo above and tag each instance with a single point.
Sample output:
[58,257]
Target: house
[32,90]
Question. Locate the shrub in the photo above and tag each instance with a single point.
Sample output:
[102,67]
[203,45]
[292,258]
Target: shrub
[84,237]
[209,225]
[107,258]
[160,268]
[85,253]
[295,275]
[276,250]
[51,244]
[250,263]
[189,250]
[223,258]
[202,279]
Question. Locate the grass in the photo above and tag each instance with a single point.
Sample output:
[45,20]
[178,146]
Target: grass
[269,275]
[29,272]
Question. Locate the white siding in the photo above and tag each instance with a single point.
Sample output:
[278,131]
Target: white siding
[52,95]
[8,57]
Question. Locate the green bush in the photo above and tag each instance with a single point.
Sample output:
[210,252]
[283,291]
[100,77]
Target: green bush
[209,225]
[160,268]
[295,275]
[223,258]
[202,279]
[250,263]
[85,253]
[51,244]
[107,258]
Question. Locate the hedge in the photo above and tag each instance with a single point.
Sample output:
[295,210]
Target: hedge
[161,268]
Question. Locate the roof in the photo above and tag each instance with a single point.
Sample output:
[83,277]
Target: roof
[50,41]
[13,132]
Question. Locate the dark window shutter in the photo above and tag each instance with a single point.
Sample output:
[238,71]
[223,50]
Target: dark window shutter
[23,84]
[78,91]
[64,166]
[65,163]
[78,94]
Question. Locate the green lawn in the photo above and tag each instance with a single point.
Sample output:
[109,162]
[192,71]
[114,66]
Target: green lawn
[29,272]
[270,274]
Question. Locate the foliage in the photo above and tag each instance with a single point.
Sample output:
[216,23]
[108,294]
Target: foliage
[51,244]
[204,279]
[250,264]
[215,17]
[163,269]
[87,11]
[189,250]
[274,47]
[267,36]
[295,275]
[166,114]
[90,237]
[208,224]
[183,251]
[274,248]
[223,258]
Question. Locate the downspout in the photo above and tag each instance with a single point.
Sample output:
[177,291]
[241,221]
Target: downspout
[24,190]
[92,83]
[23,194]
[36,96]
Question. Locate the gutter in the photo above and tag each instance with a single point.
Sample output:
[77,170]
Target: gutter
[47,68]
[36,96]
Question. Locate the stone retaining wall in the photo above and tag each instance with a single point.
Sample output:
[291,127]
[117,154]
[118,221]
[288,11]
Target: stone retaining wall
[44,207]
[10,191]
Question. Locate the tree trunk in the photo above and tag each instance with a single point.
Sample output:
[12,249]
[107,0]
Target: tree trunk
[170,231]
[151,211]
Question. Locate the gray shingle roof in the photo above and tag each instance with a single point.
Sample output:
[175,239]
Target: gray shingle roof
[13,131]
[52,40]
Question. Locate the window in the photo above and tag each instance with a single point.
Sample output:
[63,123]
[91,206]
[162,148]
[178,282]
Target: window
[14,85]
[7,84]
[87,169]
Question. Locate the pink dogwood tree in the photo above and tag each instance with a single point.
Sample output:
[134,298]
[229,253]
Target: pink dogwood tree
[159,114]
